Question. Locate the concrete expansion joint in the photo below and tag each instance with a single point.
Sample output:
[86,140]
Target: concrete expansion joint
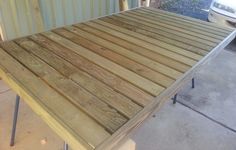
[208,117]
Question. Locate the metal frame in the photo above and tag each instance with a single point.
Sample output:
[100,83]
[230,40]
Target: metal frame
[175,97]
[65,146]
[15,116]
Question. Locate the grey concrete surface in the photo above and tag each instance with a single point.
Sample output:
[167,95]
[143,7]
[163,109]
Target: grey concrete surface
[215,92]
[176,127]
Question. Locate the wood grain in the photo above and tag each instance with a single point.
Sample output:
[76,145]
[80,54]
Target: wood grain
[151,34]
[119,59]
[163,28]
[162,32]
[142,42]
[95,82]
[161,44]
[106,77]
[139,81]
[123,104]
[149,63]
[98,110]
[51,106]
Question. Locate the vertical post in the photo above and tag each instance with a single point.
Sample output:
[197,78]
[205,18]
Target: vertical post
[193,83]
[65,146]
[123,5]
[13,132]
[140,3]
[147,3]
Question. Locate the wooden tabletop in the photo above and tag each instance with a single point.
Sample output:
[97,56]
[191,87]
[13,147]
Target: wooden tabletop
[96,81]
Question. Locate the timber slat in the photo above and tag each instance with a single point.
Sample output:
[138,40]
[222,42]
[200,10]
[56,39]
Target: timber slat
[139,58]
[199,26]
[119,59]
[164,34]
[137,80]
[153,41]
[163,28]
[194,28]
[94,82]
[176,29]
[149,63]
[106,77]
[191,20]
[98,110]
[155,36]
[102,91]
[143,43]
[127,49]
[53,107]
[134,48]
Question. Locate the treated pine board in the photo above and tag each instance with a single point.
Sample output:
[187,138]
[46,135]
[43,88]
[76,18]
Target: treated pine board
[136,49]
[142,42]
[143,60]
[155,36]
[118,84]
[163,28]
[154,106]
[51,106]
[184,23]
[29,72]
[119,59]
[108,117]
[176,29]
[194,28]
[161,33]
[192,20]
[158,43]
[137,80]
[123,104]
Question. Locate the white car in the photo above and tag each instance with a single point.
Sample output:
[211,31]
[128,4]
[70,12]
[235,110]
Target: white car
[223,12]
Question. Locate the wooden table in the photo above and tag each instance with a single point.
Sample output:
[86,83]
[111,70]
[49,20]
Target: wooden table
[96,81]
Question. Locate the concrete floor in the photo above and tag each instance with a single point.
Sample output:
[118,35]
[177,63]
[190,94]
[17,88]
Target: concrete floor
[203,119]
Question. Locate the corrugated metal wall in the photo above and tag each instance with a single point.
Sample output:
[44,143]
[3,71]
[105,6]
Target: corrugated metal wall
[24,17]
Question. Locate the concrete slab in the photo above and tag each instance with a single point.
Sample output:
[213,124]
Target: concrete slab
[215,92]
[176,127]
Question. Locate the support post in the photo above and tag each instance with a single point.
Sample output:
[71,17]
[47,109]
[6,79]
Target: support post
[147,3]
[123,5]
[13,132]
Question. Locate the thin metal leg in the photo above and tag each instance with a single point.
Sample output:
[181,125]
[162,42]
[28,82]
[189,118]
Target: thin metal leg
[65,146]
[193,83]
[13,132]
[174,99]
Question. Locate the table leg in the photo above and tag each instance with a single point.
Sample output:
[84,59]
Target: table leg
[193,83]
[174,99]
[13,132]
[65,146]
